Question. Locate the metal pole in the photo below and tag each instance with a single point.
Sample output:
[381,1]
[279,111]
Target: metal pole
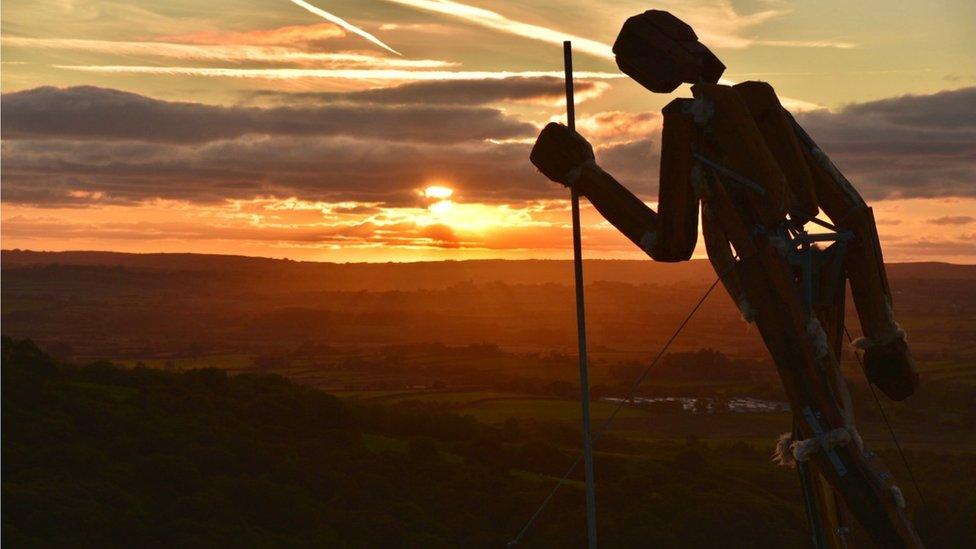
[581,316]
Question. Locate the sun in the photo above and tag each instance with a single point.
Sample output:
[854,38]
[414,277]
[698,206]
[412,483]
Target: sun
[440,197]
[439,192]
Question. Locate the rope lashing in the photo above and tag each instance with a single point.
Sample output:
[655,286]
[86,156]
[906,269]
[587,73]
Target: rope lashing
[890,334]
[864,343]
[574,174]
[702,110]
[789,451]
[898,497]
[818,337]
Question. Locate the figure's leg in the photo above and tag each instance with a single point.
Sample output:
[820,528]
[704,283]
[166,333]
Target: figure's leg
[829,309]
[802,355]
[887,360]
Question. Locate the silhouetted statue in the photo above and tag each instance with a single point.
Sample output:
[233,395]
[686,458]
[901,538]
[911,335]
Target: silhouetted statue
[760,180]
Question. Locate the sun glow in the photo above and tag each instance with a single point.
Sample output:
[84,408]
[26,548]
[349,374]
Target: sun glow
[441,207]
[441,197]
[439,192]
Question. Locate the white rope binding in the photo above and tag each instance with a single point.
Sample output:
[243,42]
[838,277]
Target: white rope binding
[789,451]
[898,497]
[891,334]
[818,337]
[573,175]
[864,343]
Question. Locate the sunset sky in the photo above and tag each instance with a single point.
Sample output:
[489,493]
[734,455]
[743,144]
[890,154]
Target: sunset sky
[399,130]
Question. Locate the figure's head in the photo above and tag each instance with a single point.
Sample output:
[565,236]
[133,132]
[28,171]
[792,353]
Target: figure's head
[660,51]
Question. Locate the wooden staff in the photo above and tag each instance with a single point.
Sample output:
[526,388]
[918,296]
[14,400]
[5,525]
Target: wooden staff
[580,315]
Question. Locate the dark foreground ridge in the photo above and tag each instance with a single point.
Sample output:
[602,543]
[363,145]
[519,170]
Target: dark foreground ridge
[97,455]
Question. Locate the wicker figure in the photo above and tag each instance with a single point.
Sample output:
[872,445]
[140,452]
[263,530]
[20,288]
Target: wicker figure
[760,180]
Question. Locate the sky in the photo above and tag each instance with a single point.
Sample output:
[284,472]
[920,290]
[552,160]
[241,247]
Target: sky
[399,130]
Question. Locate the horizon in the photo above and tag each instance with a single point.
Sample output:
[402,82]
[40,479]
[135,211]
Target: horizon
[399,130]
[449,260]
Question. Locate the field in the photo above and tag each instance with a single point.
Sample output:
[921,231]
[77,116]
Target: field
[454,378]
[472,386]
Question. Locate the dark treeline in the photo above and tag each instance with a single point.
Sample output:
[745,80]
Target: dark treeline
[97,455]
[94,305]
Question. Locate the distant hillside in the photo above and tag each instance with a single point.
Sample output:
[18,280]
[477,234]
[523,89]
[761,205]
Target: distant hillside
[425,275]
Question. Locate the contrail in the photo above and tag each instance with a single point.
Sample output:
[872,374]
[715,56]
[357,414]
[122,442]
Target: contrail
[344,24]
[230,52]
[499,22]
[496,21]
[345,74]
[794,105]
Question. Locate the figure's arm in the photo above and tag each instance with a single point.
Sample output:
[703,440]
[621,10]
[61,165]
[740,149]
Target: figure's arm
[677,200]
[887,359]
[565,157]
[670,235]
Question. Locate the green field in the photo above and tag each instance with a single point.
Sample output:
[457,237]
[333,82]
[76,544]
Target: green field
[234,362]
[497,411]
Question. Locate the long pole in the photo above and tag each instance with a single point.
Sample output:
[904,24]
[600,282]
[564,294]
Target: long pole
[581,316]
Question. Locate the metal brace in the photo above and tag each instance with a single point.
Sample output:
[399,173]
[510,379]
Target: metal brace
[818,430]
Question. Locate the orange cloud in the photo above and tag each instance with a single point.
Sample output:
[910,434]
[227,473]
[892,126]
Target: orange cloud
[294,35]
[351,231]
[232,52]
[616,126]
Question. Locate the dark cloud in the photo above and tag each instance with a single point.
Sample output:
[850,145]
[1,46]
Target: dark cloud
[945,109]
[334,169]
[97,113]
[913,146]
[935,248]
[903,147]
[634,164]
[364,232]
[138,148]
[457,92]
[953,220]
[350,232]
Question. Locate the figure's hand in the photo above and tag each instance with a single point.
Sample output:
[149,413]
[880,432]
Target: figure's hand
[560,153]
[890,366]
